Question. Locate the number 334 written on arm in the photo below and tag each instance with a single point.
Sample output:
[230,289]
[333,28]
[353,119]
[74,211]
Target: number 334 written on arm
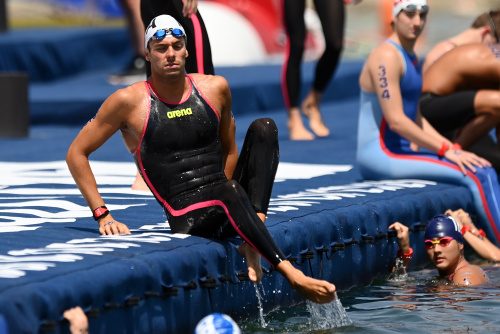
[383,82]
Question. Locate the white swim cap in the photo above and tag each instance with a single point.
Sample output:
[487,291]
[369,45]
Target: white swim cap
[217,323]
[415,5]
[163,26]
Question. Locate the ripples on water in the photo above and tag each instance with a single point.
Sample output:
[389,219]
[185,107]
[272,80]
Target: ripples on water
[417,304]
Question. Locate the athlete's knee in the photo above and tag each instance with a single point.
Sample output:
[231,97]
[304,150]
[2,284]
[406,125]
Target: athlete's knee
[264,129]
[232,192]
[333,46]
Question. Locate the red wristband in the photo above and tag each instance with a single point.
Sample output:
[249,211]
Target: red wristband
[407,256]
[456,147]
[100,212]
[465,229]
[444,147]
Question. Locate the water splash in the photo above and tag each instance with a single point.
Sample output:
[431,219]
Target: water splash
[328,316]
[399,274]
[263,323]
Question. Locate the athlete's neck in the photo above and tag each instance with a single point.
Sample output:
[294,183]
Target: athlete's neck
[407,44]
[451,270]
[170,89]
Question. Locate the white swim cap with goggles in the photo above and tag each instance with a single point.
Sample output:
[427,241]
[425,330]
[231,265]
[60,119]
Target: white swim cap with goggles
[161,27]
[410,6]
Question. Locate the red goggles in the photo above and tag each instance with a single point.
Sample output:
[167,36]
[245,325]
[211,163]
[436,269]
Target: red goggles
[443,242]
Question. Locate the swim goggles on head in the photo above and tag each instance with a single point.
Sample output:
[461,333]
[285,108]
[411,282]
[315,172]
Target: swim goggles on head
[413,8]
[493,27]
[162,33]
[443,242]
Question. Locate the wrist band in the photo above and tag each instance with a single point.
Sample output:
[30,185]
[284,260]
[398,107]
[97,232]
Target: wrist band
[100,212]
[456,147]
[444,147]
[466,229]
[406,256]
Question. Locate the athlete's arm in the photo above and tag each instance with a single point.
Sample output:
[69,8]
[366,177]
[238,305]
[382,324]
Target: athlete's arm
[386,69]
[227,130]
[94,134]
[483,247]
[403,237]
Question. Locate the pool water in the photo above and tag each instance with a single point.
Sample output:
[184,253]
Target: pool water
[417,304]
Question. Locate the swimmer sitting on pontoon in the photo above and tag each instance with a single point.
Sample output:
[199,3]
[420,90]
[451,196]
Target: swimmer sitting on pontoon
[181,132]
[444,244]
[395,141]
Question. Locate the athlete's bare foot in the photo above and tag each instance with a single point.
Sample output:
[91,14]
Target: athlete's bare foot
[296,127]
[310,108]
[139,183]
[318,291]
[253,261]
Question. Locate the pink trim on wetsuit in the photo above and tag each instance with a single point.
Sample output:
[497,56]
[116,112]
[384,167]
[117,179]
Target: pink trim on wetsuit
[187,96]
[450,277]
[383,126]
[204,97]
[138,148]
[198,41]
[195,206]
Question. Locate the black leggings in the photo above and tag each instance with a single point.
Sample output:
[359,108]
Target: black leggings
[229,207]
[331,14]
[448,112]
[200,62]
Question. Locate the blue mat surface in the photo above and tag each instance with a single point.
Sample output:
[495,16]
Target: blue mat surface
[328,221]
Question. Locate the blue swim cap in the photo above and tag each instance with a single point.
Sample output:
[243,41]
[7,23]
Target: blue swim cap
[443,226]
[217,323]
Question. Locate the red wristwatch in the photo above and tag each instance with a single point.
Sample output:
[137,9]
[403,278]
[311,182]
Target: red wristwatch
[406,256]
[100,212]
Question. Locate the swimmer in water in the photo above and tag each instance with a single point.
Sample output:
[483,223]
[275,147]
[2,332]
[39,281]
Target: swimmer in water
[444,245]
[181,132]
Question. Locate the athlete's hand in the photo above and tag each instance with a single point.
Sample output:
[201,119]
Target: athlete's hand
[190,7]
[109,226]
[403,235]
[462,217]
[466,159]
[78,322]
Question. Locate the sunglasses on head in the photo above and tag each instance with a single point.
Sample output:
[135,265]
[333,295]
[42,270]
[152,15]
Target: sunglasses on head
[162,33]
[443,242]
[493,27]
[413,8]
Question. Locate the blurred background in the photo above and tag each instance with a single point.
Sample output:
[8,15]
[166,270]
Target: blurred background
[258,21]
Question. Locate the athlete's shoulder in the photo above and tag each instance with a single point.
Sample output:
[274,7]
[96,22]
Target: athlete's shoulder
[126,99]
[470,275]
[384,51]
[216,81]
[211,85]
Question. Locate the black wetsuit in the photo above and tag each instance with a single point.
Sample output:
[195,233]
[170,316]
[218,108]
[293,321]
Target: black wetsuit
[180,158]
[198,44]
[331,14]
